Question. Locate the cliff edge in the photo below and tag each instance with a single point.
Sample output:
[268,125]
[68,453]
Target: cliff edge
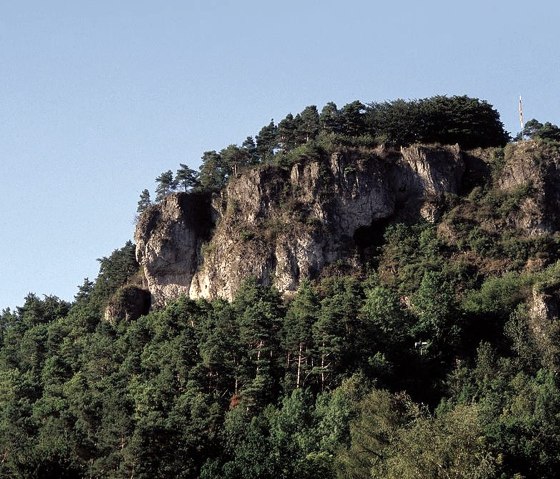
[281,225]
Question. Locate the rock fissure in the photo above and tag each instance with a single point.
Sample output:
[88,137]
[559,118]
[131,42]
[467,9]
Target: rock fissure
[283,226]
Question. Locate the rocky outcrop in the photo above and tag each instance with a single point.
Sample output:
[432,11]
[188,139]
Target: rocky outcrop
[534,174]
[544,324]
[545,303]
[281,225]
[424,175]
[169,237]
[128,304]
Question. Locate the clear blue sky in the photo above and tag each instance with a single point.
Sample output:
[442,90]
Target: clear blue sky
[97,98]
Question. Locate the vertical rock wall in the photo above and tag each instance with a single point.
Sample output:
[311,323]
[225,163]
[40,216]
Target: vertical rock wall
[169,237]
[281,225]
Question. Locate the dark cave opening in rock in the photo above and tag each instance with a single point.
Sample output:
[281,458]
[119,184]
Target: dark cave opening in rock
[369,238]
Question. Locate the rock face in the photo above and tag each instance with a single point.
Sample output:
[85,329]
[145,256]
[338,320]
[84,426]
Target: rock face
[169,237]
[544,324]
[128,304]
[545,303]
[282,225]
[526,170]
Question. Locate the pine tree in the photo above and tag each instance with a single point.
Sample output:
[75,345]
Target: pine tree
[297,332]
[186,177]
[287,132]
[352,118]
[307,124]
[166,184]
[213,174]
[251,148]
[144,202]
[329,119]
[267,141]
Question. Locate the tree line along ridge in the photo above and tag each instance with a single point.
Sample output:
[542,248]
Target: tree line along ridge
[462,120]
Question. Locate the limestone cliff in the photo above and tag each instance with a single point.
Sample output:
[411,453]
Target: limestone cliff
[535,168]
[544,308]
[169,237]
[281,225]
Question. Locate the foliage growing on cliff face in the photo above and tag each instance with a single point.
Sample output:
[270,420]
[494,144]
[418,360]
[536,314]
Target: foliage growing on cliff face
[144,202]
[446,120]
[166,184]
[434,363]
[309,388]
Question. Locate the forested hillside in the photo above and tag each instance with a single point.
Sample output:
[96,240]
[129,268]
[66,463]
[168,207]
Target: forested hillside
[434,353]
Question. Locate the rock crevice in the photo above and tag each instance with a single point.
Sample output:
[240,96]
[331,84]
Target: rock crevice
[282,225]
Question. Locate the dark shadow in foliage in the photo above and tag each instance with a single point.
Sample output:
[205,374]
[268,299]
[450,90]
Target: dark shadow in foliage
[128,304]
[57,467]
[369,238]
[259,310]
[477,173]
[488,309]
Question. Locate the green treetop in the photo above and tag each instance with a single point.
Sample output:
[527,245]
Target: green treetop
[166,184]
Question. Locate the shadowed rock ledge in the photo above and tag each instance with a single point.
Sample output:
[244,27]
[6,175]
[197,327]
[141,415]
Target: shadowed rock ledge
[281,225]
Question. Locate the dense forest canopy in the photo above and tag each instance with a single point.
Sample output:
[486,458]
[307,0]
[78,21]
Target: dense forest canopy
[426,362]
